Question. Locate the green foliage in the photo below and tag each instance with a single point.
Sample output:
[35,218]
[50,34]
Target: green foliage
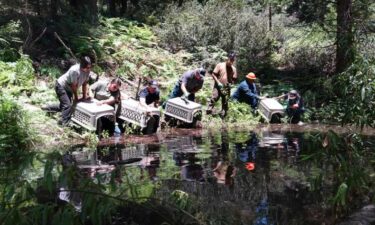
[9,39]
[223,25]
[51,71]
[354,89]
[309,49]
[17,76]
[180,198]
[15,134]
[347,160]
[357,88]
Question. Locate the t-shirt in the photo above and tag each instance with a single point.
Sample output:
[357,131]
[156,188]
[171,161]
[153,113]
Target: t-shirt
[150,97]
[73,76]
[101,91]
[191,83]
[225,74]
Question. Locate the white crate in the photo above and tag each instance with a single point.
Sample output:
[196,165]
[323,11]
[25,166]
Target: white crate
[179,109]
[86,114]
[268,107]
[132,152]
[133,112]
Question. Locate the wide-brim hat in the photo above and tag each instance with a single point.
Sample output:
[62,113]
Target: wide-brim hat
[251,76]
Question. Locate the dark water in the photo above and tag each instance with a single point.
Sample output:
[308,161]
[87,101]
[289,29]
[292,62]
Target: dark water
[239,177]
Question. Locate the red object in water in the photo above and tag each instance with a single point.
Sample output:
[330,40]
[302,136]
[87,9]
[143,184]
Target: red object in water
[250,166]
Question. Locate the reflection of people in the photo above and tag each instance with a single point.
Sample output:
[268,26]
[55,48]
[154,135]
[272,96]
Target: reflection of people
[150,163]
[224,172]
[247,92]
[262,213]
[190,171]
[295,107]
[224,75]
[248,153]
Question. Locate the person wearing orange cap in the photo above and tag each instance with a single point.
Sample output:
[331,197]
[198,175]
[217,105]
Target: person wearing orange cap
[247,92]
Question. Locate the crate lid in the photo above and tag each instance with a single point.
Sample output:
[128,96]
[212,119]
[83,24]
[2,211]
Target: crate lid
[136,105]
[93,108]
[272,104]
[178,101]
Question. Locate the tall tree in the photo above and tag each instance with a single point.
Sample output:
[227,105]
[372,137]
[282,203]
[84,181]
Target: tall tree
[344,35]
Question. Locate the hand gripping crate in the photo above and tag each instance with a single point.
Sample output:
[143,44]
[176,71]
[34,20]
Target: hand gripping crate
[182,109]
[269,107]
[86,114]
[133,112]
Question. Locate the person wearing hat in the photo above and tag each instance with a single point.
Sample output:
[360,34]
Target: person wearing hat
[295,107]
[150,95]
[224,75]
[188,84]
[247,92]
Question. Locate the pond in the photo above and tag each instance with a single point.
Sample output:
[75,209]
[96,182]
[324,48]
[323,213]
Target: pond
[261,176]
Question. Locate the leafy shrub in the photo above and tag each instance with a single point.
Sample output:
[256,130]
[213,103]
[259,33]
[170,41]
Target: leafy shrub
[17,76]
[9,39]
[308,49]
[229,25]
[50,71]
[356,88]
[15,132]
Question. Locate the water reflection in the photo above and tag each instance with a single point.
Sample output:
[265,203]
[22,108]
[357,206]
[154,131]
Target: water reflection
[241,178]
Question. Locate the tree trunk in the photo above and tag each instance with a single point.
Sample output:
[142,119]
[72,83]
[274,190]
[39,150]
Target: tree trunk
[124,7]
[54,8]
[112,8]
[269,17]
[93,6]
[344,35]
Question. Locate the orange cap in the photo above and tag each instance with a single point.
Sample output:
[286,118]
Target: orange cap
[251,76]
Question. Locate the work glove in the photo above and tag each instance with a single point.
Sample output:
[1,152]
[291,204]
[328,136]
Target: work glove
[186,95]
[220,85]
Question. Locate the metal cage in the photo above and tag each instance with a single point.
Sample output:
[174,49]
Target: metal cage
[182,109]
[133,112]
[269,107]
[86,114]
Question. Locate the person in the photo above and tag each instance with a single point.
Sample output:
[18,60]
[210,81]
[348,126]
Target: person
[108,92]
[295,107]
[224,75]
[150,95]
[248,153]
[67,86]
[247,92]
[188,84]
[224,172]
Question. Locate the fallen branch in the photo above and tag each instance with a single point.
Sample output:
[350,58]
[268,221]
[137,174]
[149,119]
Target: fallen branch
[67,48]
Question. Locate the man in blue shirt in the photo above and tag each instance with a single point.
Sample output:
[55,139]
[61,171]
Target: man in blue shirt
[247,91]
[150,95]
[295,107]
